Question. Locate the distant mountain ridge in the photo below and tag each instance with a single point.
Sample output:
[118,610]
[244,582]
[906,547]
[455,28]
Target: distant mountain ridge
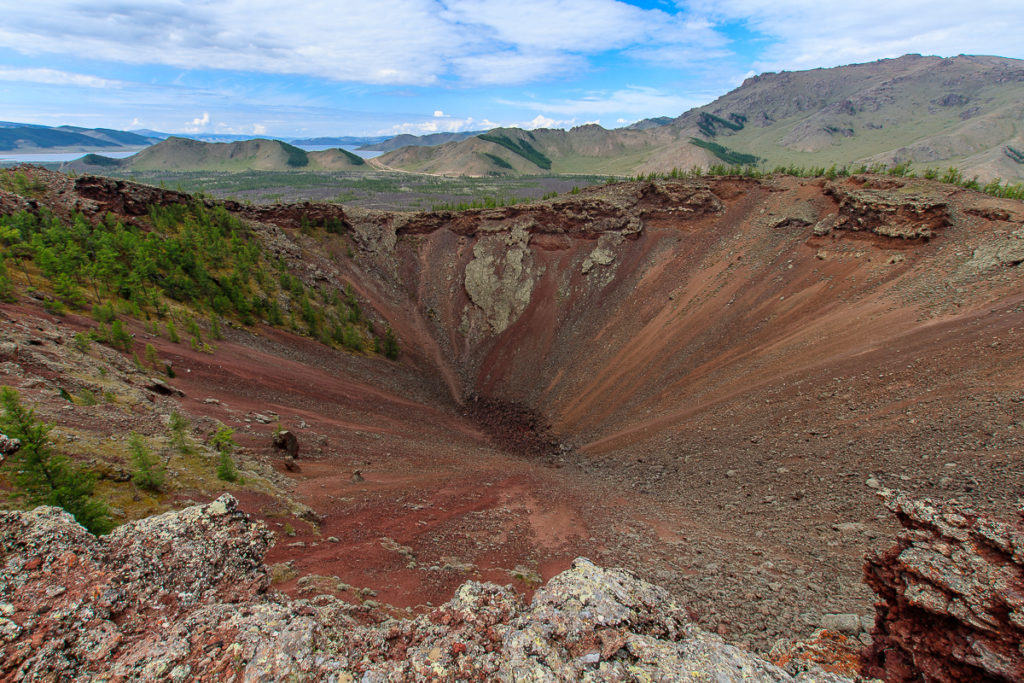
[406,140]
[19,137]
[964,111]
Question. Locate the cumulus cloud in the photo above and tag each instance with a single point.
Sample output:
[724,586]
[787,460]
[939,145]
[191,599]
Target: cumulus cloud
[198,124]
[55,77]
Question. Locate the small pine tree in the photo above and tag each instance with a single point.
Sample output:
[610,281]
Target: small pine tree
[390,345]
[43,477]
[147,472]
[225,445]
[172,332]
[179,426]
[119,337]
[6,287]
[82,341]
[151,356]
[215,327]
[226,469]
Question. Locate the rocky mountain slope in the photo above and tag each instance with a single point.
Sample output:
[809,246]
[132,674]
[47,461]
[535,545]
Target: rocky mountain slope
[184,154]
[703,381]
[963,111]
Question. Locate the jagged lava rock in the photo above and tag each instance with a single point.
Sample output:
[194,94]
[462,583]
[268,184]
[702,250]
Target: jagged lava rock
[183,596]
[952,596]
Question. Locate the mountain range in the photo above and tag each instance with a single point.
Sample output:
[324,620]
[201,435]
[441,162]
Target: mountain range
[932,112]
[964,111]
[23,137]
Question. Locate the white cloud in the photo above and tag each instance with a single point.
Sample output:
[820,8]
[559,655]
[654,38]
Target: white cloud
[259,129]
[55,77]
[820,33]
[198,124]
[438,114]
[512,67]
[454,125]
[571,25]
[411,42]
[636,100]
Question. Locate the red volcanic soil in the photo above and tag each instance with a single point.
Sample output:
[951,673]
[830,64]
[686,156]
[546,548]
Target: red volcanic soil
[710,400]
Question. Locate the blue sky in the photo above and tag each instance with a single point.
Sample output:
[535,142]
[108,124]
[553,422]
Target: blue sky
[380,67]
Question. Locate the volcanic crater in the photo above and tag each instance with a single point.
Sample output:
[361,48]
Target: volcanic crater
[704,381]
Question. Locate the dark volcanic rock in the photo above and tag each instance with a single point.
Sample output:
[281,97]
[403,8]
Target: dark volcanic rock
[287,441]
[125,198]
[952,597]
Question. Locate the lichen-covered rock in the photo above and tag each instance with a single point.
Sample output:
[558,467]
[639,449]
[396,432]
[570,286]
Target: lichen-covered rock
[951,596]
[8,445]
[183,596]
[500,278]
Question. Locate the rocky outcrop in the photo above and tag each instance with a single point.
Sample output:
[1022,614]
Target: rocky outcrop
[886,208]
[123,197]
[951,595]
[184,596]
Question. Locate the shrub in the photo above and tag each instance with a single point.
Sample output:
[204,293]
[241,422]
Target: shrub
[147,472]
[43,477]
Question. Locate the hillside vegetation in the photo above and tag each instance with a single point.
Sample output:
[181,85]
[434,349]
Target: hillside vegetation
[181,263]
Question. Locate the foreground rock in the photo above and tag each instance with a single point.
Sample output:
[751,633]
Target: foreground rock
[952,597]
[185,596]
